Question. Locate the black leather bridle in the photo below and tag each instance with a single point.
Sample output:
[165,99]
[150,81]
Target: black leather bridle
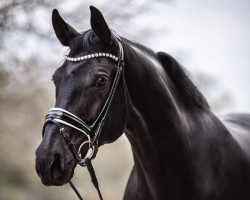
[60,117]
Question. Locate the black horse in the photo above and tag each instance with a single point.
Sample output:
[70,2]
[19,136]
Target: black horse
[181,149]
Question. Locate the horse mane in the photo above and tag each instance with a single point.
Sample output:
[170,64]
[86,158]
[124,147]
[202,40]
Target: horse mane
[178,75]
[182,81]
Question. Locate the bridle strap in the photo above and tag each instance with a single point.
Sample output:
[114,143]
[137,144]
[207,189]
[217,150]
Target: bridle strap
[75,190]
[93,179]
[120,71]
[113,89]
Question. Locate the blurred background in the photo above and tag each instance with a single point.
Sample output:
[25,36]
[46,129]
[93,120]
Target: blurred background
[210,38]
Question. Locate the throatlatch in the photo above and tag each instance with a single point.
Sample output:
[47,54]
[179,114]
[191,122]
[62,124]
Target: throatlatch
[60,117]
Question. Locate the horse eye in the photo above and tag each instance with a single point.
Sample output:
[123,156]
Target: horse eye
[101,81]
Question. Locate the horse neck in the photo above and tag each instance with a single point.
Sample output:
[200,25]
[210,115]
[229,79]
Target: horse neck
[155,104]
[169,137]
[156,124]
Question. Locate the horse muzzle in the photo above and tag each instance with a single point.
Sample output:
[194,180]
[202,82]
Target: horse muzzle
[54,167]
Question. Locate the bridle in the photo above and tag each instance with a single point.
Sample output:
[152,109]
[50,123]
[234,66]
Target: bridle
[60,117]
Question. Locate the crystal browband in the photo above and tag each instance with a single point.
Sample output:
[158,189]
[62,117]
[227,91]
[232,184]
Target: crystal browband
[94,55]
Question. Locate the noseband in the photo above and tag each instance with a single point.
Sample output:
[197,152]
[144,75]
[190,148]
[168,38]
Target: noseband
[61,117]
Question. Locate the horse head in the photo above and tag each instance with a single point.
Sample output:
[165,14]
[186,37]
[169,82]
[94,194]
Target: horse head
[86,84]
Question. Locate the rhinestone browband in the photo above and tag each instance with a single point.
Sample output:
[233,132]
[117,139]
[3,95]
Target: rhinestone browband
[94,55]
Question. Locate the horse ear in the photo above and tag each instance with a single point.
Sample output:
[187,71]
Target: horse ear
[64,32]
[100,26]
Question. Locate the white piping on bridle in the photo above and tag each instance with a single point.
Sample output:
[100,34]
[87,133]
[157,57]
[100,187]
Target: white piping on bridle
[90,151]
[94,55]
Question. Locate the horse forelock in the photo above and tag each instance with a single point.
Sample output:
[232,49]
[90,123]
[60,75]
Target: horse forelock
[87,43]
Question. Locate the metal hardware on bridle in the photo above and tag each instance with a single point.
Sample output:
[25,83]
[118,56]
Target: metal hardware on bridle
[61,117]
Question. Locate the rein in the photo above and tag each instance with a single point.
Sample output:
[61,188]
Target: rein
[60,117]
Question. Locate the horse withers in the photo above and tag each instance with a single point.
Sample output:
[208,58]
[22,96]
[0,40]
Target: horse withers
[108,86]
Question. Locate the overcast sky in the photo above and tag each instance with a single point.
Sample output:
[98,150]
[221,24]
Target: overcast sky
[215,36]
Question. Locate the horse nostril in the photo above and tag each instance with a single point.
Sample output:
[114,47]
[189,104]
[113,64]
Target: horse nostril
[57,166]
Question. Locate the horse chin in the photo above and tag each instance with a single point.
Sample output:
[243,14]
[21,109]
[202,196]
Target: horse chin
[56,178]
